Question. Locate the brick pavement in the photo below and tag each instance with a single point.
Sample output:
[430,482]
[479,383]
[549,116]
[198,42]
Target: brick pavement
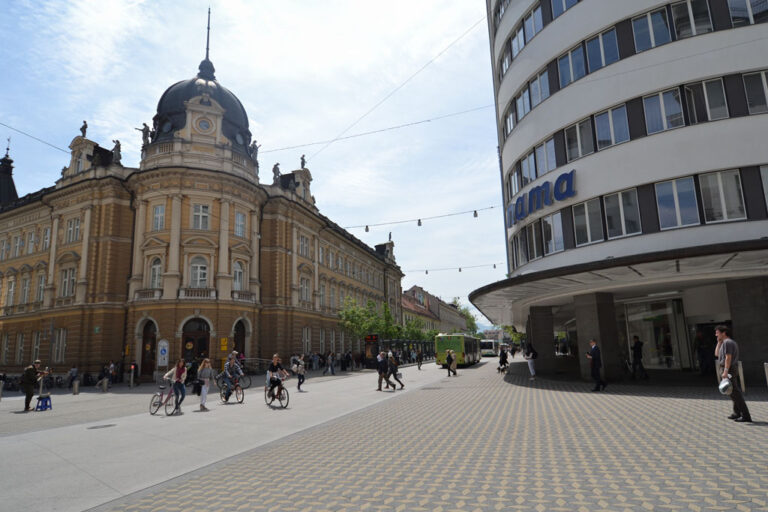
[482,442]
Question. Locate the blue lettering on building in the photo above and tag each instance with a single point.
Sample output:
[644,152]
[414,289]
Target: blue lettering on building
[540,196]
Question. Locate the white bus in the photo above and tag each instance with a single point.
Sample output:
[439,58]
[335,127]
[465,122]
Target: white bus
[489,348]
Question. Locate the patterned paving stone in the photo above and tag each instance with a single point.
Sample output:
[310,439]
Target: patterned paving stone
[481,442]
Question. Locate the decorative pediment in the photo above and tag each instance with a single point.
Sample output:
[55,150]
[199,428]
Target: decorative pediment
[199,241]
[25,268]
[41,265]
[242,248]
[306,269]
[12,271]
[154,243]
[68,257]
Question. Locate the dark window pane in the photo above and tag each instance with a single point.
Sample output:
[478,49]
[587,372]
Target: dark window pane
[557,8]
[686,197]
[755,93]
[739,12]
[665,201]
[544,84]
[642,33]
[538,22]
[734,199]
[564,67]
[529,28]
[716,100]
[701,17]
[682,20]
[571,143]
[620,125]
[570,3]
[595,220]
[610,47]
[579,64]
[673,109]
[594,55]
[535,93]
[760,10]
[660,25]
[603,127]
[631,212]
[653,119]
[613,216]
[551,160]
[580,224]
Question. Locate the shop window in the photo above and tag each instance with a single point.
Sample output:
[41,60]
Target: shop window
[622,214]
[691,18]
[705,101]
[721,196]
[651,30]
[676,203]
[588,222]
[663,111]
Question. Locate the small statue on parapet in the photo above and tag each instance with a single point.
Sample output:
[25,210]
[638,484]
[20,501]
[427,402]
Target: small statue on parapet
[276,172]
[303,162]
[116,152]
[84,128]
[144,134]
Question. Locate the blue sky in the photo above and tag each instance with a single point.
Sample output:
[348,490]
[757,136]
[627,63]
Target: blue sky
[304,72]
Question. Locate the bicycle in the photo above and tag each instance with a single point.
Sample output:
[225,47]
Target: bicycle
[237,390]
[282,395]
[245,381]
[158,401]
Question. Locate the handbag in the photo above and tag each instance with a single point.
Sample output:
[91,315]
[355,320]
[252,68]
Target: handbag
[399,375]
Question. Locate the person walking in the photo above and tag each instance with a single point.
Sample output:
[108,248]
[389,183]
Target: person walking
[382,367]
[448,361]
[419,358]
[530,355]
[596,363]
[178,375]
[29,378]
[727,353]
[329,362]
[454,363]
[205,374]
[637,358]
[503,360]
[300,371]
[72,376]
[393,371]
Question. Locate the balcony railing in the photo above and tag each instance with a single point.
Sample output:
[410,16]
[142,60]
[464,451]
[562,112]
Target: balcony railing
[243,296]
[197,293]
[148,294]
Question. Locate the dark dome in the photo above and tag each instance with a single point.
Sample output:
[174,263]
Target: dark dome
[171,113]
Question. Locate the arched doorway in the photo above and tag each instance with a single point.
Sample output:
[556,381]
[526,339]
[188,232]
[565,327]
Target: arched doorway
[239,341]
[195,337]
[148,348]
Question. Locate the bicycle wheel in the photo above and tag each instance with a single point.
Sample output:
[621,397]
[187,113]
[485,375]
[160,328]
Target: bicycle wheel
[267,399]
[283,398]
[239,394]
[223,394]
[170,404]
[155,403]
[245,381]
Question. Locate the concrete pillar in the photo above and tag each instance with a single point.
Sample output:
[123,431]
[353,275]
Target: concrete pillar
[316,270]
[172,276]
[748,301]
[48,294]
[541,332]
[223,277]
[137,271]
[294,266]
[253,269]
[596,318]
[82,272]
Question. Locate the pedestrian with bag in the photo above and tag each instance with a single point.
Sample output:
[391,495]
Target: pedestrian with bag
[393,371]
[382,367]
[178,376]
[531,354]
[727,353]
[448,361]
[204,374]
[299,370]
[454,363]
[32,374]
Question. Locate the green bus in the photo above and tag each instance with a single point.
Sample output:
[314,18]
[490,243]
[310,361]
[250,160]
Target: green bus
[466,347]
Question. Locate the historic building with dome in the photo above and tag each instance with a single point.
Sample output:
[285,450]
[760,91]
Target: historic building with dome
[188,255]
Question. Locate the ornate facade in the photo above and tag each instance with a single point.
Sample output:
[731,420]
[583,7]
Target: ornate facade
[187,255]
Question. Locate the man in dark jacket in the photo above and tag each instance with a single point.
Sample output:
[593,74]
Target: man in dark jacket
[28,381]
[596,362]
[382,366]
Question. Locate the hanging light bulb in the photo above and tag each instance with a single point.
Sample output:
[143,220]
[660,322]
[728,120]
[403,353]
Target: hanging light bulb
[366,229]
[426,272]
[419,222]
[475,214]
[459,269]
[494,265]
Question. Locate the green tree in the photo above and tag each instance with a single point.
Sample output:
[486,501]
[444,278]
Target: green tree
[358,320]
[468,316]
[414,329]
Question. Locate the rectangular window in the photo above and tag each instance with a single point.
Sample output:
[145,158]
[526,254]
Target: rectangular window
[552,233]
[578,140]
[523,103]
[663,111]
[332,297]
[518,41]
[756,86]
[611,127]
[651,30]
[6,355]
[588,222]
[721,196]
[200,216]
[3,249]
[533,234]
[706,101]
[521,246]
[528,168]
[10,293]
[304,289]
[24,291]
[691,18]
[239,224]
[676,203]
[560,6]
[46,239]
[764,176]
[73,230]
[40,288]
[572,66]
[509,121]
[59,348]
[622,214]
[158,217]
[539,88]
[35,345]
[18,242]
[30,243]
[322,295]
[533,23]
[545,157]
[747,12]
[602,50]
[20,348]
[67,282]
[506,61]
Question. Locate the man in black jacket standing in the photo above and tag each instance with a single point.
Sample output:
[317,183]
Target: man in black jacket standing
[596,362]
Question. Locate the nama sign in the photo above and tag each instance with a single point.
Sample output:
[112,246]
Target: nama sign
[540,196]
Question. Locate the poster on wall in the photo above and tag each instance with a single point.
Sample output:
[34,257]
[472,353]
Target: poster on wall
[162,353]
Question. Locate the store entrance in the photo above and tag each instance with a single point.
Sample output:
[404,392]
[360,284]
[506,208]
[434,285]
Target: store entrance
[660,325]
[195,339]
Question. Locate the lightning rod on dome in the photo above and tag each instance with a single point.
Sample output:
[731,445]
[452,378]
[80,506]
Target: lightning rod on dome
[208,34]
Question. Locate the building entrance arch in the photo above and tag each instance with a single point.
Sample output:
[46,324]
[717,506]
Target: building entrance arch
[195,339]
[148,348]
[239,337]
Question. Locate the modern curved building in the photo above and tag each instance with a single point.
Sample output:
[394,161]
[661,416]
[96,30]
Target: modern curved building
[633,142]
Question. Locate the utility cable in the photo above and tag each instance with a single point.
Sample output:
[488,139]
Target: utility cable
[33,137]
[419,220]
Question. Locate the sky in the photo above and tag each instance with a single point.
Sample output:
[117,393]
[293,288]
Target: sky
[305,71]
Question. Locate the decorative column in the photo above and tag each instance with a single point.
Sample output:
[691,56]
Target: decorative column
[316,267]
[294,270]
[172,277]
[137,271]
[48,294]
[82,272]
[223,277]
[253,269]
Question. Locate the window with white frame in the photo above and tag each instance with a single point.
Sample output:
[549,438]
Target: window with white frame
[20,348]
[533,23]
[545,157]
[10,294]
[332,297]
[6,354]
[722,196]
[304,289]
[79,162]
[747,12]
[46,238]
[518,41]
[521,248]
[691,18]
[523,104]
[622,214]
[30,243]
[578,140]
[602,50]
[611,127]
[322,295]
[59,347]
[198,272]
[24,291]
[705,101]
[73,230]
[572,66]
[238,276]
[156,274]
[200,216]
[528,168]
[321,254]
[67,283]
[240,224]
[158,217]
[3,249]
[306,338]
[533,237]
[322,341]
[500,10]
[40,288]
[346,268]
[651,30]
[35,345]
[588,222]
[663,111]
[303,246]
[552,233]
[506,61]
[676,203]
[341,298]
[539,88]
[560,6]
[764,177]
[18,243]
[509,121]
[756,87]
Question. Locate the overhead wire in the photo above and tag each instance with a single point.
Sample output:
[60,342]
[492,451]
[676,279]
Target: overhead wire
[421,219]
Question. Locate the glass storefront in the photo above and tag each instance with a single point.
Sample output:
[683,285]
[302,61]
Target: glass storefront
[660,325]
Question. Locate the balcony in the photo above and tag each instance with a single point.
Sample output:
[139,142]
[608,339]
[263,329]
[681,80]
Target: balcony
[197,293]
[243,296]
[148,294]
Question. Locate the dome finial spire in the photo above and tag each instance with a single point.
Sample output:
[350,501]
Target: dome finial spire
[8,146]
[208,34]
[206,66]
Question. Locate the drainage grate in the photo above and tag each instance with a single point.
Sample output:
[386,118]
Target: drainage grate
[101,426]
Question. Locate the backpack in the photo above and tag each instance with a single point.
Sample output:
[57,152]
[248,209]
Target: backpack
[534,354]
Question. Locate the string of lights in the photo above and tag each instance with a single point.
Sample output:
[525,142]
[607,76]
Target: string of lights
[33,137]
[426,270]
[418,221]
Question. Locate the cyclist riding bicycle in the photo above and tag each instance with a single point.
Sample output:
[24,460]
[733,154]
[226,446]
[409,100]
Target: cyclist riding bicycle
[232,370]
[276,374]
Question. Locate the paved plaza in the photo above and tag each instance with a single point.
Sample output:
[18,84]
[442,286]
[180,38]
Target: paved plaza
[476,442]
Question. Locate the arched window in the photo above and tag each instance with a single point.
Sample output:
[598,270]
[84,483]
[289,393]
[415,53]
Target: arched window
[156,274]
[198,273]
[237,275]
